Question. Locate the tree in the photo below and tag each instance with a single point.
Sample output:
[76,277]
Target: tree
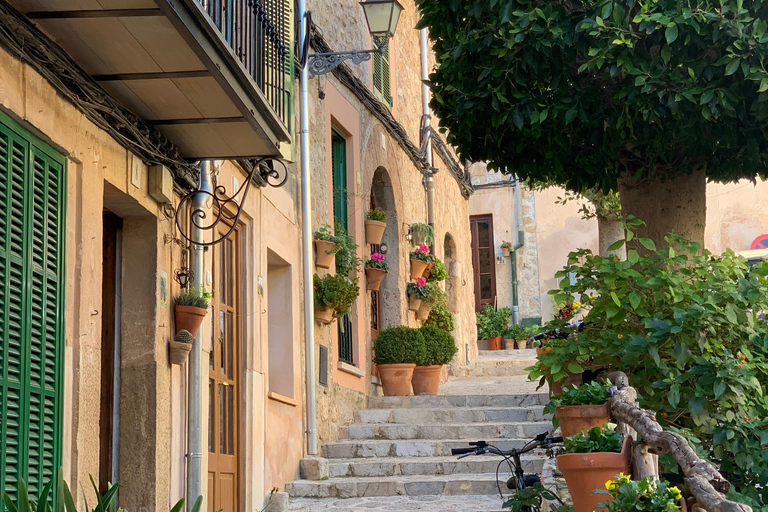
[648,97]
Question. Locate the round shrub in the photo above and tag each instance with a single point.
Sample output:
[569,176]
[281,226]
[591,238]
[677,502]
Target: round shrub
[440,346]
[396,345]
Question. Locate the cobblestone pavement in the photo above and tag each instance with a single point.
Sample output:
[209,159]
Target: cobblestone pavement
[401,504]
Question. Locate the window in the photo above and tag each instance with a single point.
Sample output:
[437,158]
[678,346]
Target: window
[382,84]
[483,261]
[340,217]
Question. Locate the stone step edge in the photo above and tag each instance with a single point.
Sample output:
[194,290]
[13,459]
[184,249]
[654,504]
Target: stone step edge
[444,424]
[530,456]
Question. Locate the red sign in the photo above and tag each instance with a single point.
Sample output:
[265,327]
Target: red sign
[760,242]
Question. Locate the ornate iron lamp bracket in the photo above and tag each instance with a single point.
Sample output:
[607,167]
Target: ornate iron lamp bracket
[322,63]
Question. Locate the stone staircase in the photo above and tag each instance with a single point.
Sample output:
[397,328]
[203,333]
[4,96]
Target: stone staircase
[397,454]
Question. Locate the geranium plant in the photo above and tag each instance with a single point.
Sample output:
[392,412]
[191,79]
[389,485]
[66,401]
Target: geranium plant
[422,253]
[377,215]
[647,495]
[418,288]
[377,261]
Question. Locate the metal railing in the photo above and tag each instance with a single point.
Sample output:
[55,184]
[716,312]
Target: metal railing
[259,33]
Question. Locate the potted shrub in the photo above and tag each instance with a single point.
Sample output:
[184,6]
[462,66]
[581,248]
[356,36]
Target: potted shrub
[190,309]
[492,324]
[416,293]
[375,224]
[440,348]
[397,349]
[579,408]
[647,495]
[326,247]
[420,259]
[422,234]
[440,316]
[375,270]
[591,459]
[180,346]
[334,296]
[434,294]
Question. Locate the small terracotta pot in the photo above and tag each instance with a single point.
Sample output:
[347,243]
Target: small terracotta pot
[373,278]
[426,379]
[189,318]
[324,315]
[588,472]
[575,418]
[509,343]
[417,268]
[396,378]
[322,258]
[521,344]
[178,352]
[428,270]
[423,312]
[414,303]
[374,230]
[494,343]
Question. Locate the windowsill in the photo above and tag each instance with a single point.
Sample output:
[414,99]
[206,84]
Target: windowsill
[351,369]
[277,397]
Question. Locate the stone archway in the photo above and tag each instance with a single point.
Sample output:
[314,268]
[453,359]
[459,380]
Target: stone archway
[389,296]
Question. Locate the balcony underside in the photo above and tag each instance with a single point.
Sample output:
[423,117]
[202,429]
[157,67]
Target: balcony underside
[167,63]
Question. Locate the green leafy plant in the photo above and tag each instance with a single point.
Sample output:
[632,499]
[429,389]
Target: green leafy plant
[184,336]
[434,294]
[518,332]
[325,233]
[440,347]
[597,439]
[440,316]
[438,272]
[419,288]
[422,234]
[529,498]
[195,297]
[647,495]
[377,215]
[492,323]
[337,291]
[347,260]
[397,345]
[593,393]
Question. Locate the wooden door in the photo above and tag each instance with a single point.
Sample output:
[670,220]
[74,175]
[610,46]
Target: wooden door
[483,261]
[224,383]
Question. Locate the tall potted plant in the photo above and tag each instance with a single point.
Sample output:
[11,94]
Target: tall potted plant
[375,224]
[440,347]
[334,296]
[579,408]
[397,350]
[416,293]
[375,270]
[190,309]
[420,259]
[492,324]
[326,247]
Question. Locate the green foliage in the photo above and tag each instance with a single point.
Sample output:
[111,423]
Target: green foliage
[435,294]
[184,336]
[196,297]
[593,393]
[414,289]
[492,323]
[440,316]
[377,214]
[597,439]
[577,92]
[347,260]
[325,233]
[530,498]
[337,291]
[594,204]
[647,495]
[438,272]
[521,332]
[396,345]
[422,234]
[439,344]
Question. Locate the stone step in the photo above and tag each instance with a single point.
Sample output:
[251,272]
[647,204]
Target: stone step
[465,431]
[492,367]
[410,466]
[439,401]
[450,415]
[528,354]
[466,503]
[366,448]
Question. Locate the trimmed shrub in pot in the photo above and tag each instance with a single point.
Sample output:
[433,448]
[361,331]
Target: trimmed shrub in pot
[420,260]
[579,408]
[375,224]
[492,325]
[334,296]
[416,293]
[397,349]
[375,270]
[190,309]
[440,347]
[180,347]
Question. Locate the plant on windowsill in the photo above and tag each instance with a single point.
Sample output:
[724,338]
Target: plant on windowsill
[420,260]
[492,325]
[422,234]
[334,296]
[580,408]
[416,293]
[326,246]
[440,347]
[397,350]
[375,270]
[190,309]
[375,224]
[179,347]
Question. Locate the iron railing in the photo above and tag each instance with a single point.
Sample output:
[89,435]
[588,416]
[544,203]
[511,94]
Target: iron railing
[346,351]
[259,33]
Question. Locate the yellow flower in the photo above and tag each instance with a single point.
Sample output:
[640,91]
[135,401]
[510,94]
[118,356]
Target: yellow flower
[621,336]
[577,304]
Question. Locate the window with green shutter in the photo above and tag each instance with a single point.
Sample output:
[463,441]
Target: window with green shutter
[32,201]
[381,80]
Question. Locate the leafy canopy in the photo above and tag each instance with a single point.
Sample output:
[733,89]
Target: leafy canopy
[576,92]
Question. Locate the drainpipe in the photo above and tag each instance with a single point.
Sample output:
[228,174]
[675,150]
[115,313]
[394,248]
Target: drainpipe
[306,228]
[429,180]
[195,397]
[519,243]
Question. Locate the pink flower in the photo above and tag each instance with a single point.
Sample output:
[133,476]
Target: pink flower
[377,256]
[421,282]
[424,248]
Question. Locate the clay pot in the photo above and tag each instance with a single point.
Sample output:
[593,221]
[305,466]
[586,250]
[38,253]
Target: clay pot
[423,312]
[178,352]
[373,277]
[189,318]
[426,379]
[509,343]
[572,379]
[587,472]
[521,344]
[324,315]
[417,268]
[374,230]
[396,378]
[414,302]
[428,270]
[322,258]
[575,418]
[494,343]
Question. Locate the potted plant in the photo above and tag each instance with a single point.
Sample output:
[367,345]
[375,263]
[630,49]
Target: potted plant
[326,247]
[434,294]
[492,324]
[647,495]
[440,316]
[506,248]
[438,272]
[375,224]
[397,349]
[422,234]
[190,309]
[591,459]
[334,296]
[375,270]
[420,259]
[180,346]
[579,408]
[416,293]
[440,347]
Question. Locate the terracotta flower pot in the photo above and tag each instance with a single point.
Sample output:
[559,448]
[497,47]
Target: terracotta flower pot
[509,343]
[587,472]
[414,302]
[322,258]
[374,230]
[189,318]
[178,352]
[374,277]
[426,379]
[396,378]
[324,315]
[428,270]
[572,379]
[575,418]
[417,268]
[423,312]
[494,343]
[521,344]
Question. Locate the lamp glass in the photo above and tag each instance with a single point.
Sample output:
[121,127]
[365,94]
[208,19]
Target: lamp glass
[382,17]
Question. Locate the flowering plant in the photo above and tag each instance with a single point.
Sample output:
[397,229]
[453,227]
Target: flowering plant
[422,253]
[647,495]
[418,288]
[377,261]
[568,310]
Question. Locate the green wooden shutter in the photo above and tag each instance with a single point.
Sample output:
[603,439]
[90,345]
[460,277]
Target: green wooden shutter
[32,194]
[339,158]
[382,86]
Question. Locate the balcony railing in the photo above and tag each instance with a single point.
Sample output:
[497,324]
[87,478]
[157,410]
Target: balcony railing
[259,33]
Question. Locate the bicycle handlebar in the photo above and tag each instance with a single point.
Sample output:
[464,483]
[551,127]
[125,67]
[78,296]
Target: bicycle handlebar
[460,451]
[481,447]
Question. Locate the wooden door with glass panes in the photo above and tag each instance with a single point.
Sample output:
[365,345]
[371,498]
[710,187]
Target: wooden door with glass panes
[224,382]
[483,261]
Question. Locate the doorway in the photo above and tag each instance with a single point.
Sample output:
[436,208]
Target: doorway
[483,261]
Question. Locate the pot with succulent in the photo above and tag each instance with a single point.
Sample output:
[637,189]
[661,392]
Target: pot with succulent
[646,495]
[375,270]
[492,325]
[180,347]
[190,309]
[434,295]
[420,260]
[440,347]
[416,293]
[580,408]
[422,234]
[397,350]
[326,246]
[334,296]
[375,224]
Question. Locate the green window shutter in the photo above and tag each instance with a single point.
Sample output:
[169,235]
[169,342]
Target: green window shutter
[382,88]
[32,189]
[339,159]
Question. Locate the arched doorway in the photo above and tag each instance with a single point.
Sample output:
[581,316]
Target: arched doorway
[385,304]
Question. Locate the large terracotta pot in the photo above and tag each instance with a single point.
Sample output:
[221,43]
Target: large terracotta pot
[494,343]
[324,315]
[373,278]
[178,352]
[423,312]
[189,318]
[322,258]
[417,268]
[414,302]
[396,378]
[575,418]
[374,230]
[587,472]
[426,379]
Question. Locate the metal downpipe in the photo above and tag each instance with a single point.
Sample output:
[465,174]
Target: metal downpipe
[429,181]
[519,243]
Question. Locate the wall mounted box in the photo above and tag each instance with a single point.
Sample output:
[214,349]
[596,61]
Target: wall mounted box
[161,184]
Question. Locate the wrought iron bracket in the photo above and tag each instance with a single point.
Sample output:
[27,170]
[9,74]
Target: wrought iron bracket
[322,63]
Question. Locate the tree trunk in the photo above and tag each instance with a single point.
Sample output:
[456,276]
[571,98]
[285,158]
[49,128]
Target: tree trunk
[678,204]
[609,231]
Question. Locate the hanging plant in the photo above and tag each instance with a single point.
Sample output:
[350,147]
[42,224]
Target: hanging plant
[422,234]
